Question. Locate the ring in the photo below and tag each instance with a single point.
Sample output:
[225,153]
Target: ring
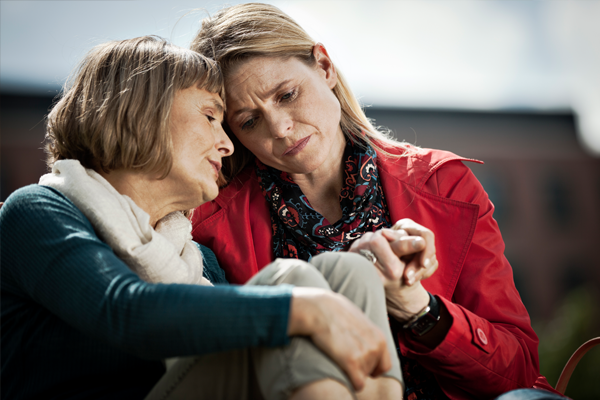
[368,254]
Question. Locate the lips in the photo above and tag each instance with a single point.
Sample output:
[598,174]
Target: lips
[217,166]
[297,147]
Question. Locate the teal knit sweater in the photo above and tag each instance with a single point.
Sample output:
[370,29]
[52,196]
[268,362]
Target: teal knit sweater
[78,324]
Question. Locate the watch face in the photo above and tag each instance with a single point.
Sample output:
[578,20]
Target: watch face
[424,324]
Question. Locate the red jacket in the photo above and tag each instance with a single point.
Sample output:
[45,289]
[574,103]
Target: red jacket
[491,347]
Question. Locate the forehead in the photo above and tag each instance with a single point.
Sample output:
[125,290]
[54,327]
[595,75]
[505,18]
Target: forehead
[260,74]
[196,97]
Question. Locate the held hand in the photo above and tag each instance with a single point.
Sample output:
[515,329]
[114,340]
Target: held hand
[419,265]
[340,330]
[390,248]
[389,265]
[404,256]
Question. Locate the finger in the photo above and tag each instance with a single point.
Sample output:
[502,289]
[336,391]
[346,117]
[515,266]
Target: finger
[415,272]
[357,378]
[385,362]
[410,273]
[431,265]
[401,223]
[393,234]
[408,245]
[412,228]
[389,263]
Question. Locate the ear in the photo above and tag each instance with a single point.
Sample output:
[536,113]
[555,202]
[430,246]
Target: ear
[325,65]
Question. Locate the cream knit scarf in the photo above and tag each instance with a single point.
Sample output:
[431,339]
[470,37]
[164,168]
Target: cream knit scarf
[165,254]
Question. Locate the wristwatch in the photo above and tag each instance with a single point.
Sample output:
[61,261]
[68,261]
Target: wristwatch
[424,321]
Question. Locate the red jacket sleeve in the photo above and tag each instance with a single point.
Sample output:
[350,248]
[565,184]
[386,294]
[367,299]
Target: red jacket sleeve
[490,347]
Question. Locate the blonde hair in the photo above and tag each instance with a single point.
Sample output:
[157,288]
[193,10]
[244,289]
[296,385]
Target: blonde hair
[114,111]
[251,30]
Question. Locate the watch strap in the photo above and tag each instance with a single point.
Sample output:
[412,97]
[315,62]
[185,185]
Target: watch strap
[424,321]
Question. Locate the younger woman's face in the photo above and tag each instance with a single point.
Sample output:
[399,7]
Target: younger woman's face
[285,112]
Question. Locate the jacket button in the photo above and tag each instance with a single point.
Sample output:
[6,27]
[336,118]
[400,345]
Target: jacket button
[482,337]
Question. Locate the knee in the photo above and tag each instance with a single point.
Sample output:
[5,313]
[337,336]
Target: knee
[354,266]
[296,271]
[291,271]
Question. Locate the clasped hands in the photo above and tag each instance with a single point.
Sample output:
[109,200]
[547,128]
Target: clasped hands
[405,255]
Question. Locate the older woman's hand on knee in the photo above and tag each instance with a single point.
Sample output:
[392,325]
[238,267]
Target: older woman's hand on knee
[342,331]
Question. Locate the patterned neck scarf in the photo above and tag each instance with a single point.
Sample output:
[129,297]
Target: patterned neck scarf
[301,232]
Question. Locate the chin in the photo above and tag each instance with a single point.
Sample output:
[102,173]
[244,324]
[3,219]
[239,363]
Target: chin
[210,194]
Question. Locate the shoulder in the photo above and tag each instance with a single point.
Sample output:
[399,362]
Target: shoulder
[35,209]
[36,222]
[35,199]
[416,166]
[32,192]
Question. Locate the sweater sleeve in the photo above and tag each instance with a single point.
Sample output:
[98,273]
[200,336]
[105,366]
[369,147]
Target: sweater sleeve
[51,256]
[490,347]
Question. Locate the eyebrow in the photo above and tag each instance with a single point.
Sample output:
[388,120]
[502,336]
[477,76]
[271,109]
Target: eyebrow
[277,88]
[217,105]
[267,94]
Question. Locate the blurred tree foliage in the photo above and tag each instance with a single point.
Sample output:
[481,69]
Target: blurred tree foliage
[574,323]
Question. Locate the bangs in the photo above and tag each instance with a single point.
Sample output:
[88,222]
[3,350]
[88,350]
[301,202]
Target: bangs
[193,69]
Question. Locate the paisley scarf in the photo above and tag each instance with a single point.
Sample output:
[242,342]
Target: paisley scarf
[299,231]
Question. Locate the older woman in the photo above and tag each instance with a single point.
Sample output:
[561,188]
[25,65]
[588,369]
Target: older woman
[311,174]
[101,281]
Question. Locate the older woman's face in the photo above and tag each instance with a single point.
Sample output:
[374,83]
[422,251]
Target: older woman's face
[199,143]
[285,112]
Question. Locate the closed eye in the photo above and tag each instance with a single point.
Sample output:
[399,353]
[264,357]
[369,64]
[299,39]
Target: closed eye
[289,96]
[249,123]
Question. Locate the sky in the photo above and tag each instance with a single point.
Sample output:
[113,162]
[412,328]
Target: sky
[443,54]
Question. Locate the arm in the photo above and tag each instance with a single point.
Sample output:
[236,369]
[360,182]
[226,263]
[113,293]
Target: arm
[490,347]
[51,255]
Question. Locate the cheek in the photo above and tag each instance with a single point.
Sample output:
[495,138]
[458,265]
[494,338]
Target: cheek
[201,144]
[257,142]
[325,113]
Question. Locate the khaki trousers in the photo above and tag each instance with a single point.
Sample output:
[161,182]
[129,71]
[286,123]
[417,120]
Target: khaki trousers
[275,373]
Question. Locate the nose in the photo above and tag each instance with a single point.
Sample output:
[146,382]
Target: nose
[222,143]
[279,122]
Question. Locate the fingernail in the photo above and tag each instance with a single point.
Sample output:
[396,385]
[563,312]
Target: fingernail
[427,263]
[416,243]
[411,276]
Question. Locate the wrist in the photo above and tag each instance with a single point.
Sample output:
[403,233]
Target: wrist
[403,304]
[425,320]
[306,318]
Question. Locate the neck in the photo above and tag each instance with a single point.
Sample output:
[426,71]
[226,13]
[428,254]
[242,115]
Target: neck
[146,191]
[322,187]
